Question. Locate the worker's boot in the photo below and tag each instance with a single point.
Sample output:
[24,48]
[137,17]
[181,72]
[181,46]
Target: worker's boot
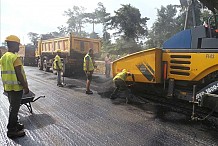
[60,85]
[16,133]
[113,96]
[20,126]
[89,92]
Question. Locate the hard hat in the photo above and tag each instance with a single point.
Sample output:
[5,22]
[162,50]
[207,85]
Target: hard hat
[58,50]
[12,38]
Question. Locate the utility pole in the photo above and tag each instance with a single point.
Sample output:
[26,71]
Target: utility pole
[185,4]
[193,13]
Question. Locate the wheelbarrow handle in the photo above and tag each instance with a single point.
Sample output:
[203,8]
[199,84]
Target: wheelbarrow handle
[38,98]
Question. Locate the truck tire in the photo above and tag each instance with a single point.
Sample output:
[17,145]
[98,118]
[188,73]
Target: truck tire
[45,67]
[40,64]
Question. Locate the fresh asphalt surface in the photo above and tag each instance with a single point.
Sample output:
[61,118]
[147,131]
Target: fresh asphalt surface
[68,117]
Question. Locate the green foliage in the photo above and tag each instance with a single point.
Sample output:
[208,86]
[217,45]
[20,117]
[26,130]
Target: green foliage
[33,37]
[125,47]
[91,18]
[128,22]
[94,35]
[211,5]
[102,15]
[106,37]
[76,20]
[98,16]
[166,25]
[47,36]
[170,22]
[62,30]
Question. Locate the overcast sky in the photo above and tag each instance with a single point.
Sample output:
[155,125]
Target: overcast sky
[19,17]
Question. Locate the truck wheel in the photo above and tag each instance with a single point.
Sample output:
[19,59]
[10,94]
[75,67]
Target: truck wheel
[40,64]
[45,67]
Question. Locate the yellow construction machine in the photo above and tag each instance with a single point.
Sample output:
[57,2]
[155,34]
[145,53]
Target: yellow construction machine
[186,67]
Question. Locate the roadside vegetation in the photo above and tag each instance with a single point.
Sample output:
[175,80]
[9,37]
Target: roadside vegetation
[126,30]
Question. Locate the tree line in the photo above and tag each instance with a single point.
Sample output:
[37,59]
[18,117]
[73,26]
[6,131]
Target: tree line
[128,26]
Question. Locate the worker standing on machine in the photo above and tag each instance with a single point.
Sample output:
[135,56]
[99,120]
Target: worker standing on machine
[58,67]
[120,83]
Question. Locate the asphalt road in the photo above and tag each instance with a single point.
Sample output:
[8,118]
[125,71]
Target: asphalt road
[68,117]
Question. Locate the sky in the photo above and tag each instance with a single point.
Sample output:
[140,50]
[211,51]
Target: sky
[19,17]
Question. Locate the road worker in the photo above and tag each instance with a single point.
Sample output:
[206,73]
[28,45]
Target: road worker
[120,83]
[88,67]
[58,67]
[14,83]
[107,65]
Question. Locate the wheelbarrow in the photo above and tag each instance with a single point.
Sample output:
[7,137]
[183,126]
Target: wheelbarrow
[27,99]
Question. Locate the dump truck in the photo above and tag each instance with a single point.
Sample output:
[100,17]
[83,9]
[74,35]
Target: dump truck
[27,55]
[73,50]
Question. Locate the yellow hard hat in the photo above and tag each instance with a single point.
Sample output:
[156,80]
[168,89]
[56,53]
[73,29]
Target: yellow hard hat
[12,38]
[58,50]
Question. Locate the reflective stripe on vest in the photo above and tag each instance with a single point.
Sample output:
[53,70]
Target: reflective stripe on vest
[91,66]
[11,82]
[8,74]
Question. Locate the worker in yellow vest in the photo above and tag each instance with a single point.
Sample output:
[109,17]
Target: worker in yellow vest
[14,83]
[120,82]
[88,67]
[58,67]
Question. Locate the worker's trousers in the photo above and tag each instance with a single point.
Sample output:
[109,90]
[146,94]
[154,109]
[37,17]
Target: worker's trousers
[14,98]
[59,77]
[107,70]
[120,87]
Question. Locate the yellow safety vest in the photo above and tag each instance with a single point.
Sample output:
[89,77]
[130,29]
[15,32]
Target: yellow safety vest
[91,66]
[121,75]
[58,59]
[9,78]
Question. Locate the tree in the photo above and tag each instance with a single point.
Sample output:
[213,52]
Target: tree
[106,37]
[62,30]
[211,5]
[76,20]
[91,18]
[33,37]
[94,35]
[103,17]
[126,47]
[170,22]
[128,22]
[47,36]
[166,25]
[98,16]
